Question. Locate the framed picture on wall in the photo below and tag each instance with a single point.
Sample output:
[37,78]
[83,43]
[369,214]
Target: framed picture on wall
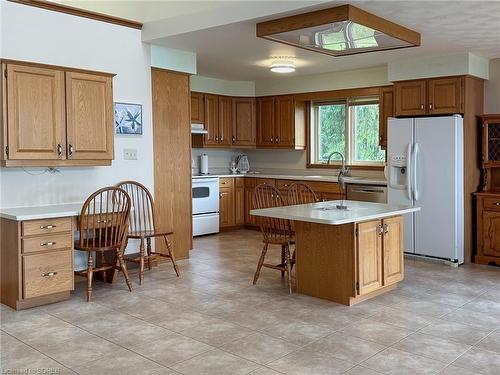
[128,118]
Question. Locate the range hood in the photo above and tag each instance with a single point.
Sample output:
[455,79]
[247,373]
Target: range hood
[198,129]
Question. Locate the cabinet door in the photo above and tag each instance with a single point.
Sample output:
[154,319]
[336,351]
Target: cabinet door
[266,118]
[36,126]
[243,122]
[491,233]
[211,120]
[197,108]
[239,205]
[393,250]
[410,98]
[445,96]
[226,208]
[89,116]
[386,108]
[225,121]
[249,219]
[369,256]
[285,121]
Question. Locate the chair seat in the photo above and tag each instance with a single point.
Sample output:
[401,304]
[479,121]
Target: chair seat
[148,234]
[95,247]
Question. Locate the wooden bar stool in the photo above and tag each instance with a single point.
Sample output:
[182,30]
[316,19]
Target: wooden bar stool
[274,231]
[142,226]
[102,226]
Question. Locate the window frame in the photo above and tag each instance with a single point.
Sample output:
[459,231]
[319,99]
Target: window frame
[312,126]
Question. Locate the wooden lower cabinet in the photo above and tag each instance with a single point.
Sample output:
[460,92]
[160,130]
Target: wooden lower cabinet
[379,254]
[36,261]
[488,229]
[232,202]
[239,201]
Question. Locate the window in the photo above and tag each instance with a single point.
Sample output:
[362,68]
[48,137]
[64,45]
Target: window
[350,127]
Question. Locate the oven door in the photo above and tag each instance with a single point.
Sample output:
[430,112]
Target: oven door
[205,195]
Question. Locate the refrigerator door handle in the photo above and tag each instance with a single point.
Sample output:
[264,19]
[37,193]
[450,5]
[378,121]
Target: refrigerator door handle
[408,171]
[414,170]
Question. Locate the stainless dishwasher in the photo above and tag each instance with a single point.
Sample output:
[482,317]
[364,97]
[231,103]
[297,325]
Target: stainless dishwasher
[367,193]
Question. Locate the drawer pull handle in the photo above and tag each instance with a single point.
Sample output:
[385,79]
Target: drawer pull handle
[102,221]
[497,203]
[48,274]
[50,226]
[47,243]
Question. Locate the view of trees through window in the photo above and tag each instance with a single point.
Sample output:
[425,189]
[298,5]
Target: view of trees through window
[352,130]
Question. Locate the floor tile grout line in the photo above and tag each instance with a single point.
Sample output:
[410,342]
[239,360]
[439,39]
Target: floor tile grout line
[37,350]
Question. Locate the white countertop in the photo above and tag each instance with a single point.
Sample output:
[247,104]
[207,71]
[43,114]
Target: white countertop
[41,212]
[324,178]
[326,213]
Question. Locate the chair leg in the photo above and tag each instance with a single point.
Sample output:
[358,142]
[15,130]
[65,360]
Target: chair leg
[259,265]
[282,259]
[293,258]
[288,268]
[148,249]
[90,273]
[172,256]
[123,267]
[141,262]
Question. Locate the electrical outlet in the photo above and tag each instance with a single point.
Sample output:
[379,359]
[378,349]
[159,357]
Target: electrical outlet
[129,154]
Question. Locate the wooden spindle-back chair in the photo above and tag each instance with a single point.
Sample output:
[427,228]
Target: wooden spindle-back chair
[301,193]
[274,231]
[102,226]
[142,226]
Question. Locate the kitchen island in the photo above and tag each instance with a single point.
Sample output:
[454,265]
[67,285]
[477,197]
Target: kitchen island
[345,255]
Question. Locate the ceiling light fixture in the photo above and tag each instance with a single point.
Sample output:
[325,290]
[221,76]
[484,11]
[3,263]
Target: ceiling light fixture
[283,66]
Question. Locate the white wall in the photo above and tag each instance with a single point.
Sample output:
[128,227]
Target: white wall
[222,86]
[33,34]
[376,76]
[492,89]
[173,59]
[438,66]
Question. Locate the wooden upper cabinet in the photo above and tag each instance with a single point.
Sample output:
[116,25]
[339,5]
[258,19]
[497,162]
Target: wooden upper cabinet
[243,122]
[393,247]
[89,116]
[285,121]
[211,120]
[386,106]
[197,107]
[434,96]
[369,256]
[411,98]
[266,119]
[55,116]
[35,122]
[445,95]
[225,121]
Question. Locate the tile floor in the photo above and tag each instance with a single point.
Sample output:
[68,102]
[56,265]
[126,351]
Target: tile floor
[440,320]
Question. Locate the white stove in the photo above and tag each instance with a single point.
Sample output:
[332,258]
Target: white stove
[205,195]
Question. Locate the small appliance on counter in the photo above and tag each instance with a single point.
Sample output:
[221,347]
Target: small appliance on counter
[242,164]
[204,164]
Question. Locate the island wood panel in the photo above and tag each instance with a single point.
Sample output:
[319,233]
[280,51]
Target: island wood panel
[35,113]
[325,261]
[172,157]
[369,256]
[393,243]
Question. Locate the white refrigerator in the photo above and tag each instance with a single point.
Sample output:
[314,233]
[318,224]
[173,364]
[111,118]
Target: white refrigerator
[425,162]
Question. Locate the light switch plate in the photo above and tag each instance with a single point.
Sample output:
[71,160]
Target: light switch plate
[130,154]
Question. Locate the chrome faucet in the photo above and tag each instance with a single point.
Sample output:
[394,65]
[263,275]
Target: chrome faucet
[344,171]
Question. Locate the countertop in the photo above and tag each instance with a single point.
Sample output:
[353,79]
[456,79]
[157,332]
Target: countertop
[320,178]
[326,213]
[41,212]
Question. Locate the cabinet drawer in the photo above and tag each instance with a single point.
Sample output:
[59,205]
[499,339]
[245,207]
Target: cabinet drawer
[47,273]
[324,187]
[284,184]
[47,242]
[265,181]
[34,227]
[226,182]
[492,204]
